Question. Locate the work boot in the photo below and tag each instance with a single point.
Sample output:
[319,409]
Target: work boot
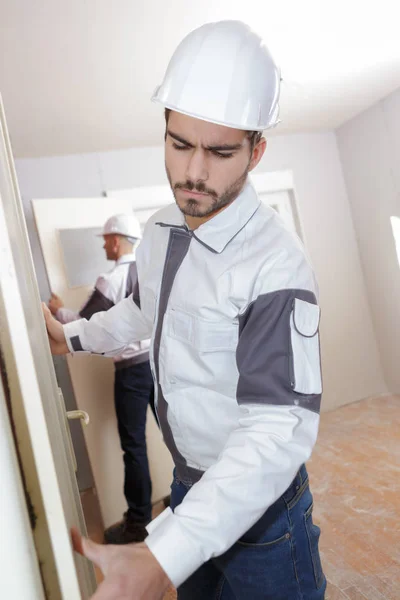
[128,531]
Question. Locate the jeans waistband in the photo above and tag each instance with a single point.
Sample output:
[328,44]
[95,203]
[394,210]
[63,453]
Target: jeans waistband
[300,481]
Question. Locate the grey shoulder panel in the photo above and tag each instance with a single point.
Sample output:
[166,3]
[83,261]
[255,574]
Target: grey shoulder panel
[97,302]
[132,284]
[132,279]
[278,354]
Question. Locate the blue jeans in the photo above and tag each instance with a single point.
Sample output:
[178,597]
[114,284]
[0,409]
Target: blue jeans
[277,559]
[133,391]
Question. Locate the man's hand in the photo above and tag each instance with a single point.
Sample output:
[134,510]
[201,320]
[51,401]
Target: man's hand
[55,303]
[55,330]
[130,571]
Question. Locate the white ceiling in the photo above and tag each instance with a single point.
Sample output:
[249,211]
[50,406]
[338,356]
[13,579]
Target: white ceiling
[76,75]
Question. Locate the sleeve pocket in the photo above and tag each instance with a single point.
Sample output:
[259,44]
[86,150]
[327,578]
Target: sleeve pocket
[305,362]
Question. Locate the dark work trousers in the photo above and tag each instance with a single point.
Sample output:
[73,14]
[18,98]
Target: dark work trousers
[134,390]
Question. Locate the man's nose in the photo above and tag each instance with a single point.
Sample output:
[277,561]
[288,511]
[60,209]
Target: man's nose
[197,169]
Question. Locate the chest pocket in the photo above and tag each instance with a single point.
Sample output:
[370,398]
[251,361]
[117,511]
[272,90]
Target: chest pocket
[203,335]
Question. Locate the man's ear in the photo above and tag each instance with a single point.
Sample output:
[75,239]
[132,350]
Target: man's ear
[116,242]
[257,153]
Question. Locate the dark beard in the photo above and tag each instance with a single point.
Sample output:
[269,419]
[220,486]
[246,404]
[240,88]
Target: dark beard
[192,206]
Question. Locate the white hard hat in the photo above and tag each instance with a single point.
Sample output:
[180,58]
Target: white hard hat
[126,225]
[223,73]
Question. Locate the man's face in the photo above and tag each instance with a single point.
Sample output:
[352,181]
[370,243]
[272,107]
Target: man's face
[206,164]
[111,246]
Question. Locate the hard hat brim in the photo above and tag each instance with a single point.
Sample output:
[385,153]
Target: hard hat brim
[249,127]
[118,233]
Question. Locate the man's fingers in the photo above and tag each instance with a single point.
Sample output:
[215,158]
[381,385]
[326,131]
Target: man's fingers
[95,552]
[54,328]
[76,541]
[46,311]
[87,548]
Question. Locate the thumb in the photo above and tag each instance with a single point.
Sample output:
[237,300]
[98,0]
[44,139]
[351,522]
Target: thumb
[46,311]
[87,548]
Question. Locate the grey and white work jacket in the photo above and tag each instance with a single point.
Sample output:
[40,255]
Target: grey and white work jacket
[232,313]
[111,288]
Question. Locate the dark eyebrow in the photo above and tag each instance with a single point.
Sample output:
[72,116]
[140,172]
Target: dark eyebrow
[178,138]
[224,147]
[219,148]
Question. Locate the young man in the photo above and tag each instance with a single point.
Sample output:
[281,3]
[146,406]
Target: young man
[229,300]
[133,385]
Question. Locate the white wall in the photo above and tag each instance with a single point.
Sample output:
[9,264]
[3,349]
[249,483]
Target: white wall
[369,147]
[351,362]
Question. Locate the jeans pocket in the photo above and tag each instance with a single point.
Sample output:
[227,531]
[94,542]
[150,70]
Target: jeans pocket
[260,571]
[272,529]
[264,544]
[313,533]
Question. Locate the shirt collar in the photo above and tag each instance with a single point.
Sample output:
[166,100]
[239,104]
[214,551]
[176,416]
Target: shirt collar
[126,258]
[221,229]
[216,233]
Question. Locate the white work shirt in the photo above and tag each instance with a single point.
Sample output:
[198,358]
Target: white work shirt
[232,312]
[111,288]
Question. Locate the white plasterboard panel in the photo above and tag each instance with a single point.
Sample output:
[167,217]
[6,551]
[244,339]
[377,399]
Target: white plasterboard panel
[83,255]
[54,214]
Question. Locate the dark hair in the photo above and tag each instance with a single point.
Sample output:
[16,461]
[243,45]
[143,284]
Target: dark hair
[254,136]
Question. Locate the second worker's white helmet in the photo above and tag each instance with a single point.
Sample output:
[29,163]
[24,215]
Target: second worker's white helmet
[123,224]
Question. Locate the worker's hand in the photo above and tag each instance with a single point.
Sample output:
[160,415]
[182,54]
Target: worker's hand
[55,303]
[130,571]
[55,330]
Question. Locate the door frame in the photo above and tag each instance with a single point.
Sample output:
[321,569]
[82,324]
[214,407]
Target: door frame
[37,410]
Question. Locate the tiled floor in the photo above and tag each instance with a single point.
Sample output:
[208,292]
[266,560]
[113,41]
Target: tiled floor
[355,479]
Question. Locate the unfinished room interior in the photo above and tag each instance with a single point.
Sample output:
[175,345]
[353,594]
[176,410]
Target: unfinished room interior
[141,404]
